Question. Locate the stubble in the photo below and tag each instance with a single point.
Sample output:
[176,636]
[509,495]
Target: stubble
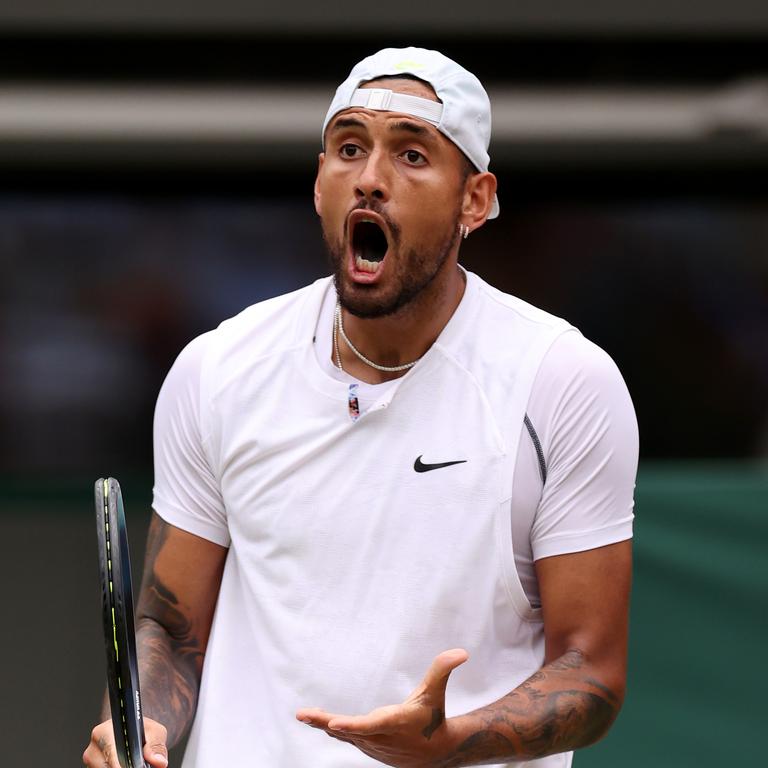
[414,272]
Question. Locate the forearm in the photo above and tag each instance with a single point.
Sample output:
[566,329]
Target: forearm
[169,683]
[170,679]
[559,708]
[170,641]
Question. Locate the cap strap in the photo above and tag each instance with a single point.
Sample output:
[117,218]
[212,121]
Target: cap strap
[390,101]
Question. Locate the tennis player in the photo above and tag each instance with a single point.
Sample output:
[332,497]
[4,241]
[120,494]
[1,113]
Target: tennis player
[393,509]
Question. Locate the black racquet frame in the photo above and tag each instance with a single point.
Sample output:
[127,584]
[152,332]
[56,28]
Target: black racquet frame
[118,619]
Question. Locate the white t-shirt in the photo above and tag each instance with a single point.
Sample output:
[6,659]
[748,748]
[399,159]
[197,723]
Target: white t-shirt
[335,541]
[581,420]
[579,410]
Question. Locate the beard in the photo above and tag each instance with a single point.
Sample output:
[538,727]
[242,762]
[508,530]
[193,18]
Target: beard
[415,270]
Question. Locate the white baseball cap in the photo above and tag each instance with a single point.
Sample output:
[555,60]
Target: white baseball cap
[464,115]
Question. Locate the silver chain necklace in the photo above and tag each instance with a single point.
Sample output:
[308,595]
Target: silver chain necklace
[338,327]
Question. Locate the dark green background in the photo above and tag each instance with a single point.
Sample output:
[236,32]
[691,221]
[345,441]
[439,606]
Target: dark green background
[696,689]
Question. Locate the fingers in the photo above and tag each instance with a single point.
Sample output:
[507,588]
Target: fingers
[436,679]
[154,756]
[155,748]
[314,716]
[382,720]
[431,692]
[100,752]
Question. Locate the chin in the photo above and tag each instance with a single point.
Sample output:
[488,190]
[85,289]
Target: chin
[365,300]
[369,302]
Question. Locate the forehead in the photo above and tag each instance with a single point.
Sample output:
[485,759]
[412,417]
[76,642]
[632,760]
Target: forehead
[397,84]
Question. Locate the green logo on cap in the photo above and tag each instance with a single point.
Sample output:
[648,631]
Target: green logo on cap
[409,65]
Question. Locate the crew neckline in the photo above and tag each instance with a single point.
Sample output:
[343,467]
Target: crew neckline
[317,322]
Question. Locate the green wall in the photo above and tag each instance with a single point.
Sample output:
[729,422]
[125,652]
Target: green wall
[699,621]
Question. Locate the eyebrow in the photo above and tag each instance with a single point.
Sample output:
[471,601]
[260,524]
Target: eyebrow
[347,122]
[407,125]
[402,125]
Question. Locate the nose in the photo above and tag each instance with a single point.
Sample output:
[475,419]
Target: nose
[372,183]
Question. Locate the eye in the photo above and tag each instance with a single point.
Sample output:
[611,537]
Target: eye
[350,150]
[413,157]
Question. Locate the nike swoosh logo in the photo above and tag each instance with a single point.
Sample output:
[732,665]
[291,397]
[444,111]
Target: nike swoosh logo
[420,466]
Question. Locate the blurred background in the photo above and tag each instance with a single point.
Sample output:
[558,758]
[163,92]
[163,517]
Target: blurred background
[156,170]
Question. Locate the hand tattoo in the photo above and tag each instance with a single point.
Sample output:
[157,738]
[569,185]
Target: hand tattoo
[438,718]
[106,749]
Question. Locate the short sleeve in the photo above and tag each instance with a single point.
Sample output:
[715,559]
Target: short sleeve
[584,413]
[186,492]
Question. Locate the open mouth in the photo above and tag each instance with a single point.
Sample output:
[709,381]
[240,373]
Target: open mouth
[369,245]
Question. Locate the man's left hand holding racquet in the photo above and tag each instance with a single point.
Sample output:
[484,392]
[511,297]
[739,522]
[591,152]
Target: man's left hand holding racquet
[180,585]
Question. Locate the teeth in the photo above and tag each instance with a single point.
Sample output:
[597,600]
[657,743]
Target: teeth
[366,266]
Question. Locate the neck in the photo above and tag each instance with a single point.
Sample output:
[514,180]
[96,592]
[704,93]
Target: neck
[403,336]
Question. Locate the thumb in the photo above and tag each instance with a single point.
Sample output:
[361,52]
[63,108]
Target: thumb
[155,748]
[436,679]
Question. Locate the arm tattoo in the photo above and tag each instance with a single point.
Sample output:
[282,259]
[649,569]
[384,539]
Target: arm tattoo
[481,747]
[170,653]
[556,709]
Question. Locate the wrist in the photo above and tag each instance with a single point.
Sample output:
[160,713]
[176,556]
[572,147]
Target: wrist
[473,739]
[449,740]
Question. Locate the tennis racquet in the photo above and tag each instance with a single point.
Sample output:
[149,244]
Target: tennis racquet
[119,634]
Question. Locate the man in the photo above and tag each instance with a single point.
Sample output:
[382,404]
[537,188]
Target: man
[388,478]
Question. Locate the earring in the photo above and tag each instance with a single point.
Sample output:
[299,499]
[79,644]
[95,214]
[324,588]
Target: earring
[463,231]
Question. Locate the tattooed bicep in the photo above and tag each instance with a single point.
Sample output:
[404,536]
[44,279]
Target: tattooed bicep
[181,579]
[158,600]
[157,536]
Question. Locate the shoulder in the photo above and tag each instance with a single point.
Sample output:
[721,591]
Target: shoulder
[582,410]
[498,336]
[512,311]
[567,360]
[274,323]
[574,358]
[576,373]
[270,327]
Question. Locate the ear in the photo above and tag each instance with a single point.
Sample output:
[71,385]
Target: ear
[478,199]
[320,161]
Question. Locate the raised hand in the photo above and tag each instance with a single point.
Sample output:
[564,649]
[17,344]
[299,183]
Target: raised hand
[408,735]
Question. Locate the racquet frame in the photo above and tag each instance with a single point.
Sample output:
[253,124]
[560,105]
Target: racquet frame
[118,620]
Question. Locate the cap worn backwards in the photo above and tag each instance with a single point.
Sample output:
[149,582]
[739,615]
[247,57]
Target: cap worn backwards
[464,114]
